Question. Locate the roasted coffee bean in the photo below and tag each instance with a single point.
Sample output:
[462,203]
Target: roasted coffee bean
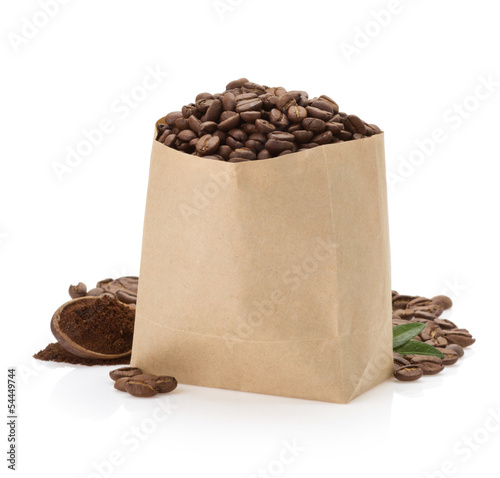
[408,373]
[450,355]
[437,310]
[164,384]
[419,302]
[463,340]
[431,331]
[323,138]
[120,383]
[79,290]
[171,117]
[456,348]
[224,151]
[401,301]
[335,128]
[250,104]
[214,111]
[354,125]
[126,372]
[276,147]
[186,135]
[278,119]
[236,83]
[208,127]
[126,296]
[264,126]
[318,113]
[95,292]
[285,101]
[443,301]
[253,88]
[314,124]
[245,153]
[207,144]
[404,313]
[189,110]
[139,388]
[438,342]
[399,360]
[444,323]
[255,108]
[230,122]
[345,135]
[420,314]
[303,136]
[296,114]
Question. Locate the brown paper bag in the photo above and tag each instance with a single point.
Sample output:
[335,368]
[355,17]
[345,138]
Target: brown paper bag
[268,276]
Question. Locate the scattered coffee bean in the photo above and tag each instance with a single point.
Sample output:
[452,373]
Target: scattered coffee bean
[138,384]
[442,334]
[408,373]
[124,372]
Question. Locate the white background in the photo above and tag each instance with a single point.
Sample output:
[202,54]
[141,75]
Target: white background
[408,76]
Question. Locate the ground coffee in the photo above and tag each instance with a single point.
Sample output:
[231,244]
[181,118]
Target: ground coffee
[56,353]
[105,325]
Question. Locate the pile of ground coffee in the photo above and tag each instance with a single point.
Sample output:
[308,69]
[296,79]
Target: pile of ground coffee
[56,353]
[105,325]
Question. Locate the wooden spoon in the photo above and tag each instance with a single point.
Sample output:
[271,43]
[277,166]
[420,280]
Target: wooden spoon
[72,346]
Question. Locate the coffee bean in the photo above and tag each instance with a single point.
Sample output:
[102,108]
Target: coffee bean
[165,384]
[207,144]
[236,83]
[120,383]
[126,296]
[276,147]
[139,388]
[445,323]
[228,102]
[459,339]
[314,124]
[318,113]
[408,373]
[456,348]
[95,292]
[450,355]
[443,301]
[296,114]
[214,111]
[399,360]
[245,153]
[172,117]
[186,135]
[264,126]
[124,372]
[255,108]
[79,290]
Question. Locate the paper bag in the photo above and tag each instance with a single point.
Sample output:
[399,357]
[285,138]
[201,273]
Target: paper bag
[269,276]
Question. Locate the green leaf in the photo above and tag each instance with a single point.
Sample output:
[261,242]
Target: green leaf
[405,332]
[414,347]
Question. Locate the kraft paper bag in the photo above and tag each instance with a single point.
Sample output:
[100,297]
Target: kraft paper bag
[268,276]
